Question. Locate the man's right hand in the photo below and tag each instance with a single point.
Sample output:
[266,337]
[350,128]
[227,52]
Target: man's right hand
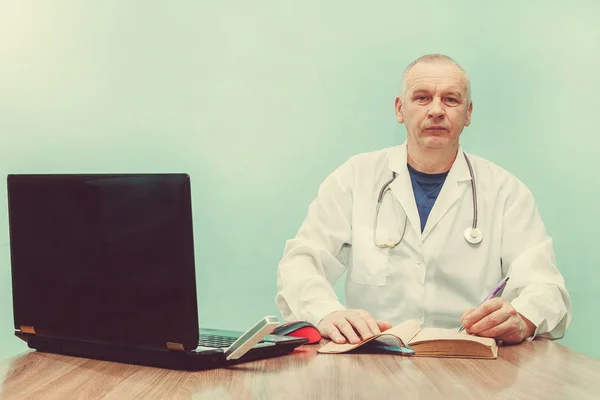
[350,325]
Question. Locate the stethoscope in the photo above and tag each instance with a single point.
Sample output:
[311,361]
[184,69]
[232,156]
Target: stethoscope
[472,234]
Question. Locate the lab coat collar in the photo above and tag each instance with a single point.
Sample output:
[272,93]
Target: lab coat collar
[457,182]
[399,158]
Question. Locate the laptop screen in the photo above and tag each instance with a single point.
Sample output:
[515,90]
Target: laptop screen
[104,257]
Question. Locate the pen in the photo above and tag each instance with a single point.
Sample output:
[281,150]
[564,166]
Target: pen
[489,296]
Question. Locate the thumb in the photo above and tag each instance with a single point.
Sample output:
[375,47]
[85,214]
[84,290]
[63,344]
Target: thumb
[383,325]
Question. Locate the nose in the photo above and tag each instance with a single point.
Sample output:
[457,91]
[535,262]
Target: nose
[436,108]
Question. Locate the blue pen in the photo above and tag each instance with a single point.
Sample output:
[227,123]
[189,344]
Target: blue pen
[489,296]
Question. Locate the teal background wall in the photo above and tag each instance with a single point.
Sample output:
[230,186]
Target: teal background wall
[260,100]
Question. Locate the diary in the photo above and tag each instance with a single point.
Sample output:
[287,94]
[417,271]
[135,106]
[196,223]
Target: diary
[409,338]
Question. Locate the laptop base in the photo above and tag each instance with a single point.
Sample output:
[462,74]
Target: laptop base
[204,359]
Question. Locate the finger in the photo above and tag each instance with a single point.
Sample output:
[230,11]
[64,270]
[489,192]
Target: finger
[373,325]
[513,336]
[370,321]
[467,312]
[506,329]
[335,335]
[360,325]
[345,327]
[384,325]
[491,320]
[486,308]
[328,329]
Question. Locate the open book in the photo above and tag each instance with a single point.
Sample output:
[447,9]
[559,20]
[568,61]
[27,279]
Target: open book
[429,342]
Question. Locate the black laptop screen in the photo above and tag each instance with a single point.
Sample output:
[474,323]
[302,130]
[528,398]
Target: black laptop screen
[104,257]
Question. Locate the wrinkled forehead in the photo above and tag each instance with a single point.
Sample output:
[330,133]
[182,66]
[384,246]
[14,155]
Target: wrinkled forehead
[437,77]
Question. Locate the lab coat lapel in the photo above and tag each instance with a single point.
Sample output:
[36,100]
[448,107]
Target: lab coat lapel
[402,187]
[456,185]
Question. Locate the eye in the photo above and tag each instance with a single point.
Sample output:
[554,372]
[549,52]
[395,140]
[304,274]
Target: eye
[422,98]
[451,100]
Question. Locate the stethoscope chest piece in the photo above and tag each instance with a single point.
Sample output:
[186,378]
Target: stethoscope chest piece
[473,235]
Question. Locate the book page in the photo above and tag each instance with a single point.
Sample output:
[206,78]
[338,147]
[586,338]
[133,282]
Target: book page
[433,334]
[406,331]
[432,342]
[333,347]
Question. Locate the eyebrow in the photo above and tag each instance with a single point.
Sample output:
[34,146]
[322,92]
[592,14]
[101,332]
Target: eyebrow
[452,93]
[420,91]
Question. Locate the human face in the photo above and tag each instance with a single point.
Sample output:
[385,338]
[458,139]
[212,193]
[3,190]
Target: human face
[435,107]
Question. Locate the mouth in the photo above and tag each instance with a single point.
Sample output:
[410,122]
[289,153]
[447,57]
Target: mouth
[435,128]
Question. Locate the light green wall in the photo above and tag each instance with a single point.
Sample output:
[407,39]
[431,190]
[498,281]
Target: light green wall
[260,100]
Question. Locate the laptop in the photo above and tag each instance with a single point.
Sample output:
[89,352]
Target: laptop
[103,267]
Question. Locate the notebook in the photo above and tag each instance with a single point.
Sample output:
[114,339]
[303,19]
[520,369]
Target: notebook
[103,267]
[409,338]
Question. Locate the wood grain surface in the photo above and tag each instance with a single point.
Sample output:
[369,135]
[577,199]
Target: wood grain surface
[540,369]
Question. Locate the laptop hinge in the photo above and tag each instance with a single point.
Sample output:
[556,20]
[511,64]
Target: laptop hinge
[28,329]
[175,346]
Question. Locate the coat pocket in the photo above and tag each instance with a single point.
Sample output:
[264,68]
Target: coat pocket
[369,263]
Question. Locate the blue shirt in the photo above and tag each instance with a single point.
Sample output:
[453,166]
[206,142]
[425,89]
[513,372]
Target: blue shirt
[426,188]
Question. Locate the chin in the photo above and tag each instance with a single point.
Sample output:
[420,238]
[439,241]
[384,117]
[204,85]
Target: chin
[436,142]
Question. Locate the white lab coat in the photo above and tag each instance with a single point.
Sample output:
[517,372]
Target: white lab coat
[435,275]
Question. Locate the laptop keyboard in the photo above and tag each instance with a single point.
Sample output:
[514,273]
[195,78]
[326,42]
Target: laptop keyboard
[208,340]
[217,341]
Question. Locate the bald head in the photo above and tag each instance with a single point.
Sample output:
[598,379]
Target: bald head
[434,59]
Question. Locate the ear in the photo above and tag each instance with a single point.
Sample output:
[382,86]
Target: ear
[398,109]
[469,111]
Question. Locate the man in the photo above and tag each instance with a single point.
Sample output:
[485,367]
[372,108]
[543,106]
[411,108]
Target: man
[413,257]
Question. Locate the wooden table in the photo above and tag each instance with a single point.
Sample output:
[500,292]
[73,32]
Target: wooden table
[532,370]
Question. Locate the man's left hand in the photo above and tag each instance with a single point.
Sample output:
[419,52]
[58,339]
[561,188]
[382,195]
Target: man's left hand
[497,318]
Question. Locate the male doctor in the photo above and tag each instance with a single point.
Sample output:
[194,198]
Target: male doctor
[449,228]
